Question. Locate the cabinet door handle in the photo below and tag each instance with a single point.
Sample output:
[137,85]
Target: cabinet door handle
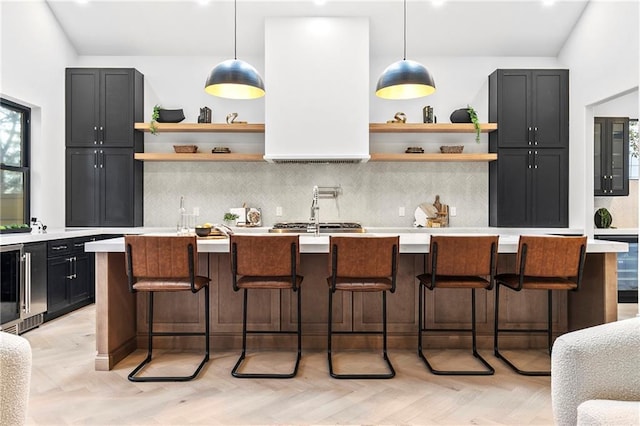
[535,136]
[535,159]
[27,282]
[75,267]
[95,135]
[101,134]
[101,158]
[95,159]
[529,160]
[529,136]
[70,268]
[56,248]
[78,245]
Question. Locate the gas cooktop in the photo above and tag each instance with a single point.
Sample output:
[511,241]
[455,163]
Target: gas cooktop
[325,227]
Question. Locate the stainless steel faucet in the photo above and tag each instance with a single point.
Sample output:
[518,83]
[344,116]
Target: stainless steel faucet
[320,192]
[314,218]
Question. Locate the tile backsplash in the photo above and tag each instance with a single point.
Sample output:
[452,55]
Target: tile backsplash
[371,192]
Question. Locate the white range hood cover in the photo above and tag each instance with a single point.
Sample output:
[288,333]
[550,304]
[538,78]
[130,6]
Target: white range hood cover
[317,90]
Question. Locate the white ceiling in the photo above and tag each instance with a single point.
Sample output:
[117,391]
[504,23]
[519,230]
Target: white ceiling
[198,27]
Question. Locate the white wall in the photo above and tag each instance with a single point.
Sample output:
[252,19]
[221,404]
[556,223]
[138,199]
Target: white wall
[602,53]
[34,55]
[33,72]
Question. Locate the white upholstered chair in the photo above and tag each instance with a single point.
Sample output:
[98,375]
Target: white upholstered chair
[15,378]
[595,375]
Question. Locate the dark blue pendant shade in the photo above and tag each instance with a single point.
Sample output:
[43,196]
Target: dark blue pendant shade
[235,79]
[405,79]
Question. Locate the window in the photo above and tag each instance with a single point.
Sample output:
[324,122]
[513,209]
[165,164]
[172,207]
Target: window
[15,126]
[633,149]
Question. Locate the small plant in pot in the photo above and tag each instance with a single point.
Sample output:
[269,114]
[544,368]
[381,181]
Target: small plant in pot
[154,120]
[602,218]
[467,115]
[230,218]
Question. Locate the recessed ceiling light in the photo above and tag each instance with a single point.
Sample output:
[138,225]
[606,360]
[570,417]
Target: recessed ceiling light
[203,2]
[437,3]
[320,2]
[82,1]
[548,3]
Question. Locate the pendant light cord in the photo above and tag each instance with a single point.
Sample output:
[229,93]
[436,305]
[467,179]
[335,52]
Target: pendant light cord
[404,55]
[235,29]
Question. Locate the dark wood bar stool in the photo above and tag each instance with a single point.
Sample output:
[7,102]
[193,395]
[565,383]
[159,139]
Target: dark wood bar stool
[266,262]
[458,262]
[543,263]
[165,264]
[362,264]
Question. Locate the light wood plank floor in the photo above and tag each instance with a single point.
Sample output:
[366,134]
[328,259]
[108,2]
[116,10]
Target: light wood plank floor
[65,389]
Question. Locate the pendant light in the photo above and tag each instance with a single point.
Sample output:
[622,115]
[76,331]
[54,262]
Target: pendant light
[233,78]
[405,79]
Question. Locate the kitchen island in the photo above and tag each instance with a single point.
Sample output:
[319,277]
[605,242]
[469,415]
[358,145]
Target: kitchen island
[121,320]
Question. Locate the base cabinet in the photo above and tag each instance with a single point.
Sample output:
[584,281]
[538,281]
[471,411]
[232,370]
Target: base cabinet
[70,276]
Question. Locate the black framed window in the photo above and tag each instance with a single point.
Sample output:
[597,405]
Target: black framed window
[15,138]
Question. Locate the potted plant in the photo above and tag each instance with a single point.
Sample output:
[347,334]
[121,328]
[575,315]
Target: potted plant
[467,115]
[476,123]
[154,119]
[230,218]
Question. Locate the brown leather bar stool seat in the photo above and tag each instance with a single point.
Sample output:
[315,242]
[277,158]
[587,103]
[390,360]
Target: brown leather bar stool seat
[264,263]
[362,264]
[543,263]
[461,263]
[165,264]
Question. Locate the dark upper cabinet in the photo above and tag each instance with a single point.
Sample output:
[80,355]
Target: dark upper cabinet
[103,181]
[102,106]
[611,156]
[534,183]
[103,187]
[531,108]
[529,184]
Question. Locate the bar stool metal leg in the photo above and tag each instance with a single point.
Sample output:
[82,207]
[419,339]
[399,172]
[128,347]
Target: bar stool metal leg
[241,359]
[488,371]
[133,375]
[497,329]
[392,371]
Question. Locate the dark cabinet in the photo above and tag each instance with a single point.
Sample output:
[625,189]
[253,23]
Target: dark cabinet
[103,181]
[611,156]
[104,187]
[531,108]
[528,185]
[70,276]
[535,182]
[102,106]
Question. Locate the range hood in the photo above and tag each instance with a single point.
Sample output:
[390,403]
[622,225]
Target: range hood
[317,80]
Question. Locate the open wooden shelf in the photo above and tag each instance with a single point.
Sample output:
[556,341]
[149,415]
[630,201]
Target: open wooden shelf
[373,128]
[430,128]
[477,157]
[203,127]
[158,156]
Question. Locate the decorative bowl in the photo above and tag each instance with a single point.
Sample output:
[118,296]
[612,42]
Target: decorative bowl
[454,149]
[185,149]
[170,115]
[203,231]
